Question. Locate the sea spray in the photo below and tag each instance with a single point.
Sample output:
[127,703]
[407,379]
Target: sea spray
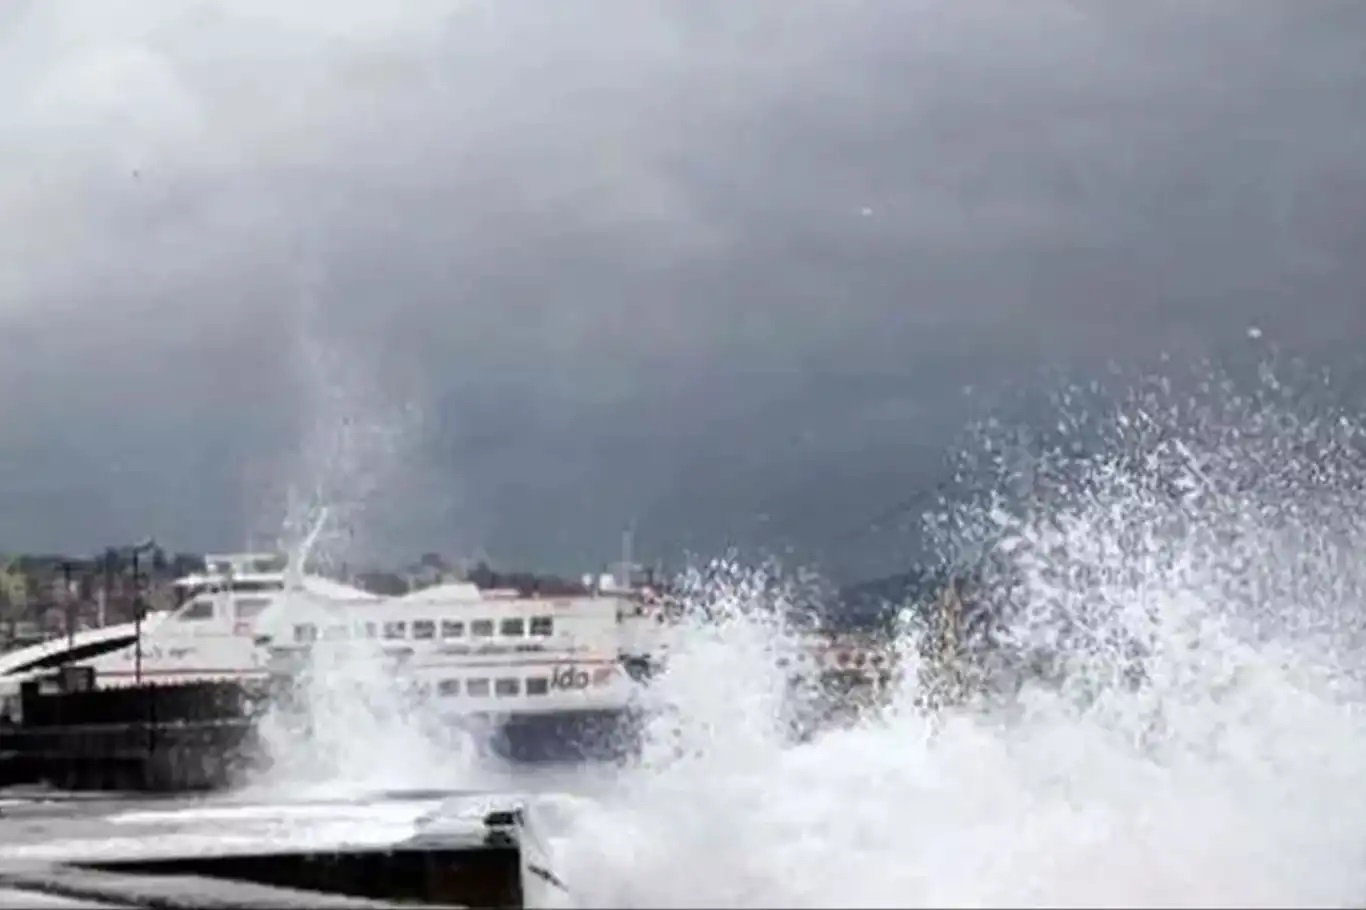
[731,655]
[347,719]
[1187,586]
[348,723]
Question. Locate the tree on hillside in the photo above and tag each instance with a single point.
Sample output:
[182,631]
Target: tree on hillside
[183,564]
[385,584]
[434,561]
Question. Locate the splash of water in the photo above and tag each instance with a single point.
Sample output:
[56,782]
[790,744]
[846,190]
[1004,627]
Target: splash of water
[294,569]
[1180,602]
[349,725]
[349,720]
[356,446]
[346,722]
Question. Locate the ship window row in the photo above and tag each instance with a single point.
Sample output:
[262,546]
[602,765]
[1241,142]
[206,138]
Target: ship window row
[243,608]
[500,687]
[431,630]
[231,587]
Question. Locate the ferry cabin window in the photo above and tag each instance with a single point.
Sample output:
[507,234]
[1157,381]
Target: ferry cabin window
[305,633]
[395,629]
[507,687]
[199,609]
[370,630]
[477,688]
[335,633]
[537,685]
[424,629]
[452,628]
[482,628]
[542,626]
[448,687]
[512,628]
[250,607]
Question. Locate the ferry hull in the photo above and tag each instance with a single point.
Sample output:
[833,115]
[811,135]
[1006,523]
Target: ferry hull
[562,736]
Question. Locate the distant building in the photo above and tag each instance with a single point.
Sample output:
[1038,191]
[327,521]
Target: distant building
[13,588]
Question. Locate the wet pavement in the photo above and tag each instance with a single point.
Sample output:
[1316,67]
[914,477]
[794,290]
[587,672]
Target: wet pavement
[24,899]
[41,832]
[58,827]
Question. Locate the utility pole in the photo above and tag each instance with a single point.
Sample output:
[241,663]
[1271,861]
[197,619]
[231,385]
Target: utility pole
[137,622]
[138,549]
[8,614]
[108,585]
[70,604]
[627,554]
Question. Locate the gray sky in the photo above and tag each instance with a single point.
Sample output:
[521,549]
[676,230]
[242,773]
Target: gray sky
[721,268]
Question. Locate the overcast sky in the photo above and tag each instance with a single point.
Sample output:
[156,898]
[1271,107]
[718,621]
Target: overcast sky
[723,269]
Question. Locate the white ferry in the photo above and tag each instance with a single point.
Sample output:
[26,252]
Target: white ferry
[538,664]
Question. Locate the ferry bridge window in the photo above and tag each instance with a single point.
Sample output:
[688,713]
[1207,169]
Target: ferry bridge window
[507,686]
[305,633]
[448,687]
[395,629]
[512,628]
[250,607]
[256,587]
[537,685]
[542,626]
[481,628]
[199,609]
[270,564]
[452,628]
[424,629]
[477,688]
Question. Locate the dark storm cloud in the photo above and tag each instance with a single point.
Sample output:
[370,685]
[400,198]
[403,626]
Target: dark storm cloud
[721,268]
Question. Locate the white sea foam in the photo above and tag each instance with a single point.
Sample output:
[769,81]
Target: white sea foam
[1195,583]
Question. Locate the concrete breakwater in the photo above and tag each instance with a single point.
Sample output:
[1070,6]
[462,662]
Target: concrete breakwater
[194,736]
